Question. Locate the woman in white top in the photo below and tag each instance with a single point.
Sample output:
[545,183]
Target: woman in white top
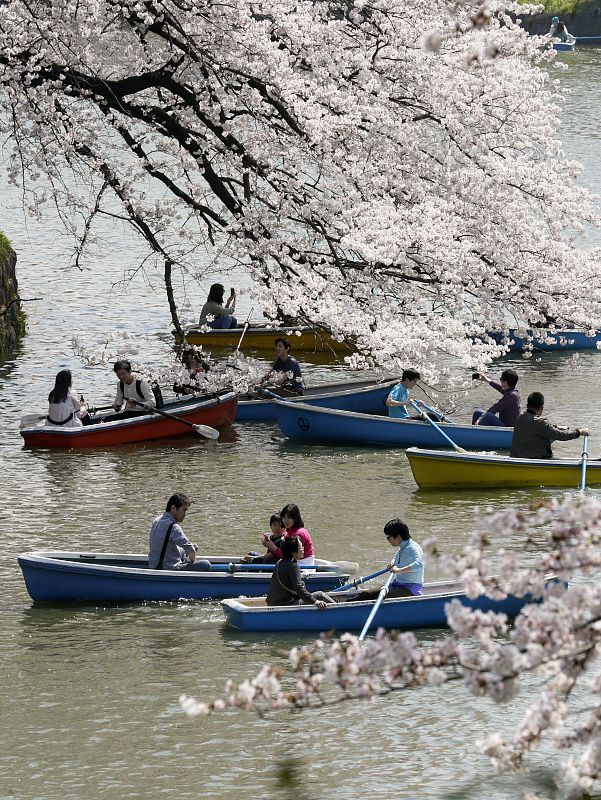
[64,408]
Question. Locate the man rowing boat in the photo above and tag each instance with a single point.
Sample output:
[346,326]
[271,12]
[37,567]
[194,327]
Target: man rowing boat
[533,433]
[285,372]
[408,565]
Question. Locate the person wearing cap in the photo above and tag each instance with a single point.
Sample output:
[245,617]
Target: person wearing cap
[508,408]
[533,433]
[558,30]
[168,546]
[408,565]
[285,371]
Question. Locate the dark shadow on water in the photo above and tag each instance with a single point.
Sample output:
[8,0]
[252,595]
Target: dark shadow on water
[541,780]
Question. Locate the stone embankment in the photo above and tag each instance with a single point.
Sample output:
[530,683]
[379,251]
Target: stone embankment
[582,19]
[12,317]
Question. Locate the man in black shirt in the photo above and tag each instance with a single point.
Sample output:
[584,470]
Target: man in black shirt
[286,371]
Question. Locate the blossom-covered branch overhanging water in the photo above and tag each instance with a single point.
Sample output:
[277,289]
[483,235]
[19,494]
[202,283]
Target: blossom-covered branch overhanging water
[386,169]
[556,640]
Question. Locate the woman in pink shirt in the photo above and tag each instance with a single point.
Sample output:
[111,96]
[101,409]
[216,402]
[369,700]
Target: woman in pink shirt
[292,521]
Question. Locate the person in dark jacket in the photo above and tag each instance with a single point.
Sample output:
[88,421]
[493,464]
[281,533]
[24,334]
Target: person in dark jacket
[508,408]
[287,586]
[533,433]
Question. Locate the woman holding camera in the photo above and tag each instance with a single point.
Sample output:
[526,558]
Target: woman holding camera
[221,315]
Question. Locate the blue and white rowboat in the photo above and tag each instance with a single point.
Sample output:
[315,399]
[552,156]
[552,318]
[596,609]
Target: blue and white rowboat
[76,576]
[564,47]
[366,396]
[546,340]
[311,424]
[404,612]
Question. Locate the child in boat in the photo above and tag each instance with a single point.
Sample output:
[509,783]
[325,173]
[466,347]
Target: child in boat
[292,521]
[398,399]
[277,532]
[197,369]
[286,587]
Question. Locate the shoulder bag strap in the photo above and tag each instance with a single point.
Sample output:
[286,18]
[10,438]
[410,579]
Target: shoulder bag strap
[164,550]
[139,389]
[283,585]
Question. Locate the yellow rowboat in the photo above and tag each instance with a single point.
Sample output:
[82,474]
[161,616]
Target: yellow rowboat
[302,339]
[439,469]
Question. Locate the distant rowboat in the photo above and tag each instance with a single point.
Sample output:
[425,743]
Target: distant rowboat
[316,424]
[304,339]
[564,47]
[435,469]
[98,577]
[425,611]
[545,340]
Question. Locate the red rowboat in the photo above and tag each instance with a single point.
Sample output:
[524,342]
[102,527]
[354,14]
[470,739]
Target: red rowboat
[215,411]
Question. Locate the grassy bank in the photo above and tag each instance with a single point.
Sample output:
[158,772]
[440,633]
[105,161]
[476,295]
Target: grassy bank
[4,246]
[560,7]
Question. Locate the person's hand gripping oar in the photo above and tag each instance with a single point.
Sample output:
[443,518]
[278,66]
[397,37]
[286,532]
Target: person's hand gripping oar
[584,460]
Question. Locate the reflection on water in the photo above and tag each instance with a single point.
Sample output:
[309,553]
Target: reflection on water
[89,694]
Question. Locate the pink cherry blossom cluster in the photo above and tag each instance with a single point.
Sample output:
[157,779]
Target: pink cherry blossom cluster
[557,639]
[388,170]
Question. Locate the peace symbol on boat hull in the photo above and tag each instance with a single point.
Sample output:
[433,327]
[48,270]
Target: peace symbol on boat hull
[303,423]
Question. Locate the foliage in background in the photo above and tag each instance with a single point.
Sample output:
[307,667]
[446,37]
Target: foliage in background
[5,247]
[564,6]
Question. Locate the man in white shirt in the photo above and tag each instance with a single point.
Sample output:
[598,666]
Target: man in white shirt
[131,390]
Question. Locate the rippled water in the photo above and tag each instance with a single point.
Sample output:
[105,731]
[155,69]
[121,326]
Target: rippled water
[89,695]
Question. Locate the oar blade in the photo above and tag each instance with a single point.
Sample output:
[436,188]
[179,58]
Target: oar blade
[207,431]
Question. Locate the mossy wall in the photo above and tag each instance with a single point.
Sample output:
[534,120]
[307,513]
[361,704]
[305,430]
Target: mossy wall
[12,316]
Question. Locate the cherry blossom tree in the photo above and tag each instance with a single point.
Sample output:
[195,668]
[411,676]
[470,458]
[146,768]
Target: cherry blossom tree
[557,640]
[388,169]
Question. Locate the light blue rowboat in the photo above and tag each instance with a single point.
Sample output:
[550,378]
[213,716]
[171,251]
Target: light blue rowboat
[311,424]
[544,340]
[92,577]
[405,612]
[367,396]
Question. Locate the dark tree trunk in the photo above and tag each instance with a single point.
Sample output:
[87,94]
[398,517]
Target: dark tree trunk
[171,299]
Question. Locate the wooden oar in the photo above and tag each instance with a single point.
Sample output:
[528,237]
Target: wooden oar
[440,431]
[94,409]
[584,460]
[341,566]
[202,430]
[377,604]
[246,326]
[359,581]
[274,396]
[436,411]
